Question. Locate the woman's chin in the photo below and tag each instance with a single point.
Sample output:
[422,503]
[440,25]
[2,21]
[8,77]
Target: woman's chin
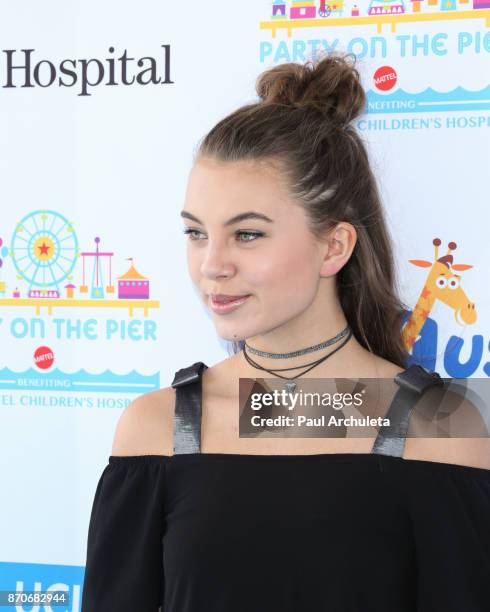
[232,338]
[229,337]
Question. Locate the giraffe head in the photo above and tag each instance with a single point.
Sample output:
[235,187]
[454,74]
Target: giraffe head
[443,284]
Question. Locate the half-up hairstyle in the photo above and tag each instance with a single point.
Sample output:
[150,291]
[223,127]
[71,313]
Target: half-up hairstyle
[302,123]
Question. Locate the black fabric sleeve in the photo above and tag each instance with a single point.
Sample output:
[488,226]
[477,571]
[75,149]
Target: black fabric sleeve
[450,509]
[124,566]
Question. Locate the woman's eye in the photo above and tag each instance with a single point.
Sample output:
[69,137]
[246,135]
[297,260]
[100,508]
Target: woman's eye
[253,234]
[189,231]
[250,236]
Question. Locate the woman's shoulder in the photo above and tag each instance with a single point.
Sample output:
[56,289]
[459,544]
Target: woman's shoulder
[442,412]
[384,368]
[145,426]
[445,428]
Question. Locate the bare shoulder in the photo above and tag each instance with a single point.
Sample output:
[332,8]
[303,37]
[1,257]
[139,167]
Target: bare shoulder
[146,426]
[448,428]
[386,369]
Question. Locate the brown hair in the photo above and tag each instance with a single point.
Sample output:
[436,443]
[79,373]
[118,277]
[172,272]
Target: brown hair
[302,123]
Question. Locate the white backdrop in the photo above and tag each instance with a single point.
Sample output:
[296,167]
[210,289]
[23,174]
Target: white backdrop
[111,162]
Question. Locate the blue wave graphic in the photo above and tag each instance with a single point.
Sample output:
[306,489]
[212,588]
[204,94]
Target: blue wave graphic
[82,381]
[429,100]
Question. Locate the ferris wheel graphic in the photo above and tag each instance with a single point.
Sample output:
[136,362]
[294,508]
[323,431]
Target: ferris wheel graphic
[44,250]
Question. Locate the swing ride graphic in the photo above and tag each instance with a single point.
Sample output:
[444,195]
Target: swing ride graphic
[44,251]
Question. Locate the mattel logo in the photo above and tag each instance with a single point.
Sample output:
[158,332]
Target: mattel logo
[385,78]
[22,67]
[43,357]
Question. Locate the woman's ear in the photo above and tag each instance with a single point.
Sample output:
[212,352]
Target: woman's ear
[339,245]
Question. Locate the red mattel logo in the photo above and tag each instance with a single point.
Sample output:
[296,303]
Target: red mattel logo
[43,357]
[385,78]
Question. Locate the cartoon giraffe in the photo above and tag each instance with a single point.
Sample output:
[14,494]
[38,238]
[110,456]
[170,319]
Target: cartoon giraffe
[441,284]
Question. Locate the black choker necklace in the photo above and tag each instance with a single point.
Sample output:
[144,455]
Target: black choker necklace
[291,385]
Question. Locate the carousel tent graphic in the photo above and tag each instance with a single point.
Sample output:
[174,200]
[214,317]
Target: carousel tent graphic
[133,285]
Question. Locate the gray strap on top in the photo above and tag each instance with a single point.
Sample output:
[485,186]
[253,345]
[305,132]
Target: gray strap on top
[187,383]
[412,382]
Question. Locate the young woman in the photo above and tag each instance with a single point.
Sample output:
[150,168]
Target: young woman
[288,248]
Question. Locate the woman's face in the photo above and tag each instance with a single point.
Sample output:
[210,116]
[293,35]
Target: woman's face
[276,262]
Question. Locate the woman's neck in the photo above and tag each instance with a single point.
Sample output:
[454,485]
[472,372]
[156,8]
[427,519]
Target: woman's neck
[352,360]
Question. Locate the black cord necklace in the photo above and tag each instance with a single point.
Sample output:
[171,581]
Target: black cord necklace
[291,385]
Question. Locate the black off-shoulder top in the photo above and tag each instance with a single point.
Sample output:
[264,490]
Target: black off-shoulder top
[352,532]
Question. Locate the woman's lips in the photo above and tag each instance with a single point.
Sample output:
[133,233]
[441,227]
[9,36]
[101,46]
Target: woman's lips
[223,308]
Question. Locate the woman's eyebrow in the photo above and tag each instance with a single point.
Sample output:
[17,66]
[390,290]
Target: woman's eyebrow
[236,219]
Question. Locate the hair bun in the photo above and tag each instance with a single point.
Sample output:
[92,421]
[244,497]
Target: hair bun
[330,84]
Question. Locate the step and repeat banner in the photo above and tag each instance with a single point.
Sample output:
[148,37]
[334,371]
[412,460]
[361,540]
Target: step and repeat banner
[102,106]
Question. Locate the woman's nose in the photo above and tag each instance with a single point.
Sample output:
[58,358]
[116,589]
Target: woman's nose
[216,262]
